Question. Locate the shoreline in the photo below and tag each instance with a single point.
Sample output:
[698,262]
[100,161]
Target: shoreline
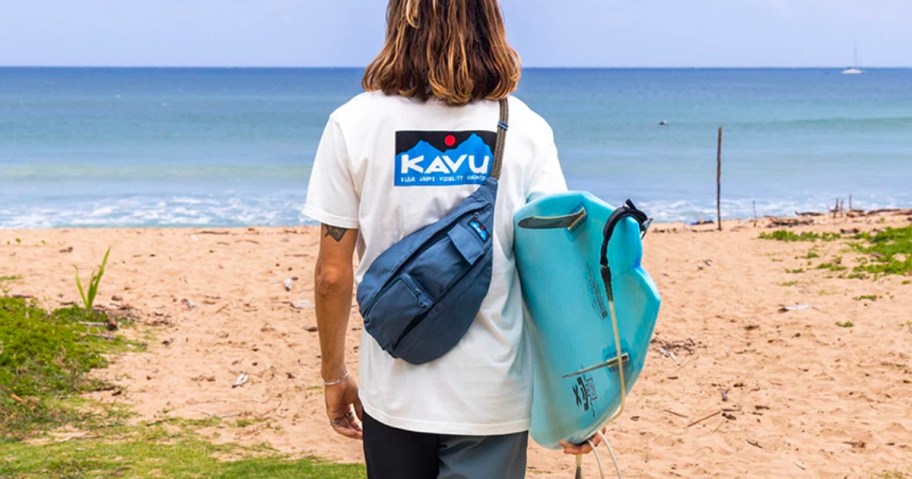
[797,219]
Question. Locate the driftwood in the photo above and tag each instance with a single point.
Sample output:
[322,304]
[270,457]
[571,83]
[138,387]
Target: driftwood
[789,222]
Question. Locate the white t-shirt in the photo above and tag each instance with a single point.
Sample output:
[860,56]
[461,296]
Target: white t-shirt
[389,165]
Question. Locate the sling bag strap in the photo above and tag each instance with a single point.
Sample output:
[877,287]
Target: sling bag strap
[502,127]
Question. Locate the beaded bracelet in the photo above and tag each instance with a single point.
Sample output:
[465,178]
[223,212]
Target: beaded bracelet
[337,381]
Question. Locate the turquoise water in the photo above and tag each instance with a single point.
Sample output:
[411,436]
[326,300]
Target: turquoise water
[231,147]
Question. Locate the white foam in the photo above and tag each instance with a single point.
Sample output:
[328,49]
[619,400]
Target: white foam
[284,209]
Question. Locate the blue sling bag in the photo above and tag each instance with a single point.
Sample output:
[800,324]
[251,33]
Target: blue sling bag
[419,297]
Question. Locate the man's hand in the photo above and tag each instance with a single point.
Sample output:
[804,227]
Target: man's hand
[583,448]
[344,408]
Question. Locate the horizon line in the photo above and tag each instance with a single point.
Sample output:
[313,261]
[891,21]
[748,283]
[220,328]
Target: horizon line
[529,67]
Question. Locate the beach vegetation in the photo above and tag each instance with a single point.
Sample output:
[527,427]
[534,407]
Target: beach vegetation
[812,254]
[888,251]
[834,265]
[791,236]
[5,281]
[88,295]
[245,422]
[891,475]
[44,365]
[788,284]
[51,432]
[795,271]
[157,451]
[845,324]
[867,297]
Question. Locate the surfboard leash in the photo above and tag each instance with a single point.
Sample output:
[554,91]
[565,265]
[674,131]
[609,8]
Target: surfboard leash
[628,210]
[620,362]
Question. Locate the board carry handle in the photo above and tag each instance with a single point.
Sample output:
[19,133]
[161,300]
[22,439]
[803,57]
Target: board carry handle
[571,221]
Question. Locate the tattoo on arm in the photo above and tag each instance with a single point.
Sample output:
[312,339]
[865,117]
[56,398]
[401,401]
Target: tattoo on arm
[334,232]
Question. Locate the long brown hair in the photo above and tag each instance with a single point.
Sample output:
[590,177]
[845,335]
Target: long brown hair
[452,50]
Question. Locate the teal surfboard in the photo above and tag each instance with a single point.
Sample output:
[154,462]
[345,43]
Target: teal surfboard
[557,243]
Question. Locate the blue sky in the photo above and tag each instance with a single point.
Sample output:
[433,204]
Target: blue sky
[622,33]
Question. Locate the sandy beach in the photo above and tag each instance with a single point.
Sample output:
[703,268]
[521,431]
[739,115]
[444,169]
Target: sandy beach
[749,375]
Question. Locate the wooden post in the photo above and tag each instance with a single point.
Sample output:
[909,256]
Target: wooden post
[719,180]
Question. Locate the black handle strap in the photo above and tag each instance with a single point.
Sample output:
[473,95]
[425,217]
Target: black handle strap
[627,210]
[502,127]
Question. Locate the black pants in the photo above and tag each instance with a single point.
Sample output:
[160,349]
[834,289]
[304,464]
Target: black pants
[393,453]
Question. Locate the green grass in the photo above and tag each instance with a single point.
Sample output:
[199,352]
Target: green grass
[845,324]
[788,284]
[795,271]
[790,236]
[888,252]
[834,265]
[44,361]
[242,423]
[812,254]
[45,358]
[158,452]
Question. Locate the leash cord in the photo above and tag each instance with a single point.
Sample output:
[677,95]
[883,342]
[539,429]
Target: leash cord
[620,362]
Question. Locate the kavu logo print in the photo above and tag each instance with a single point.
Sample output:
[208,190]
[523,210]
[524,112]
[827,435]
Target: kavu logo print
[440,158]
[480,229]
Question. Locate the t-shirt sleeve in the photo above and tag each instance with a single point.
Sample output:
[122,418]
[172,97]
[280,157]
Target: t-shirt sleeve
[331,195]
[547,177]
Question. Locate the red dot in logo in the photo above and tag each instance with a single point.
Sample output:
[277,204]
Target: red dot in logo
[450,140]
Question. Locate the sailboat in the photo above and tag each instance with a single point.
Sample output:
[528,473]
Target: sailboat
[854,70]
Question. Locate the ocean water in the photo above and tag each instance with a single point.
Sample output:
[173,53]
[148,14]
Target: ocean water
[233,147]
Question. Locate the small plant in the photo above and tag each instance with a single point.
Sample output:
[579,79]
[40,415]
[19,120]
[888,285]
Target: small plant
[788,284]
[834,265]
[4,280]
[867,297]
[242,423]
[845,324]
[88,297]
[794,271]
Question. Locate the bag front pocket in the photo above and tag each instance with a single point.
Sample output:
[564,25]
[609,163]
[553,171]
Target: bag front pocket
[395,309]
